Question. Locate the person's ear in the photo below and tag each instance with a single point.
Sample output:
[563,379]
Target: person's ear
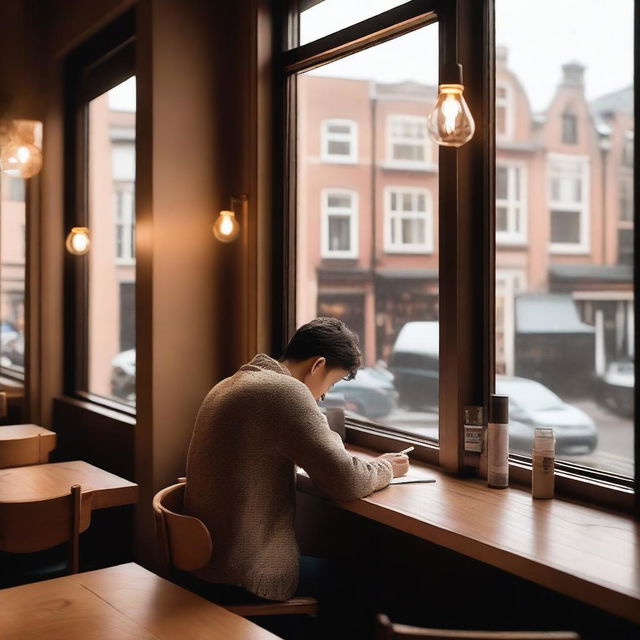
[318,365]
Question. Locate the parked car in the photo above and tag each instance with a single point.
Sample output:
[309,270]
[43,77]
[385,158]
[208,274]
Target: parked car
[370,394]
[532,405]
[617,387]
[123,376]
[11,345]
[414,364]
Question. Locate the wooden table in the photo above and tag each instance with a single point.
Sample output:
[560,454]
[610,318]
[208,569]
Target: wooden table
[125,602]
[38,482]
[586,553]
[24,444]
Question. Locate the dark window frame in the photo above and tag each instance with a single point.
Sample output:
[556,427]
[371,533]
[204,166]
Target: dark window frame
[470,364]
[102,62]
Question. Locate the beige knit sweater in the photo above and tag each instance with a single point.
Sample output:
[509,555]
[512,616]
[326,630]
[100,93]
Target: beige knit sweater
[251,431]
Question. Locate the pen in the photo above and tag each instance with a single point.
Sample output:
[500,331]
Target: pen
[407,450]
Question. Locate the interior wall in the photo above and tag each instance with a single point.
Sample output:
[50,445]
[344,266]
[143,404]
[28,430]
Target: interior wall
[194,124]
[191,101]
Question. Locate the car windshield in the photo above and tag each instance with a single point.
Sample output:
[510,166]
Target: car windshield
[529,395]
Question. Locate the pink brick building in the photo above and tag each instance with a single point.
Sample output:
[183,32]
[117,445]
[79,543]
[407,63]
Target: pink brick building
[368,202]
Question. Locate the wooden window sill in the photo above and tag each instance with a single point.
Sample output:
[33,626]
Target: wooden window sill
[586,553]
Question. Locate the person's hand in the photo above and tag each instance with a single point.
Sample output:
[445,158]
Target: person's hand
[399,463]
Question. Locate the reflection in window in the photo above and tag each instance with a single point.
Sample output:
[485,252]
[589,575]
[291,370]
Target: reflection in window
[564,297]
[340,224]
[339,141]
[12,275]
[379,213]
[111,294]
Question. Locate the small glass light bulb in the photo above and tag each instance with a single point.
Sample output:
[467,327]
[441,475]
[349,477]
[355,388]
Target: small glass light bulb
[78,241]
[21,159]
[450,123]
[226,227]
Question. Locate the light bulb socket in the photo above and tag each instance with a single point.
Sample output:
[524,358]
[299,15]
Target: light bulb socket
[451,73]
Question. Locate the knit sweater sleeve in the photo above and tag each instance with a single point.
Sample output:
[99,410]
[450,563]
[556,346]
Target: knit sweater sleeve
[306,439]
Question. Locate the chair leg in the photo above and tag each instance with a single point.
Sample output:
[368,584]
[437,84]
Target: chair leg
[76,496]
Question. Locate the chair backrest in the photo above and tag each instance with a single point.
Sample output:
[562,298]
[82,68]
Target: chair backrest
[25,450]
[26,527]
[386,630]
[184,541]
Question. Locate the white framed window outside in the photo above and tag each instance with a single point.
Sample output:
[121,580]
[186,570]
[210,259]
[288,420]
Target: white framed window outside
[339,141]
[569,195]
[509,282]
[408,220]
[504,111]
[511,203]
[124,203]
[339,235]
[408,145]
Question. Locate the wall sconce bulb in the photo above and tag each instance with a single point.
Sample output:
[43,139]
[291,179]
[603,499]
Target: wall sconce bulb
[78,241]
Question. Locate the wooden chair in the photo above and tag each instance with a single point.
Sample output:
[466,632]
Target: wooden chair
[26,527]
[185,544]
[386,630]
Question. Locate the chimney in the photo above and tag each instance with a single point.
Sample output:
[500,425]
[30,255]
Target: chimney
[573,74]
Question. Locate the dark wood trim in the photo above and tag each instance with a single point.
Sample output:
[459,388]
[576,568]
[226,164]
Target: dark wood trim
[636,249]
[362,35]
[103,61]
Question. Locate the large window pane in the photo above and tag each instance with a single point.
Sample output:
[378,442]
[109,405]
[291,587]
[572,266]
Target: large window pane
[319,18]
[111,179]
[12,275]
[367,244]
[564,297]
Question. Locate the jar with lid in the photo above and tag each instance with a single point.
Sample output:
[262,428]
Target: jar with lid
[543,462]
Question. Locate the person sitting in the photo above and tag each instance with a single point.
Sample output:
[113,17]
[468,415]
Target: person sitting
[251,431]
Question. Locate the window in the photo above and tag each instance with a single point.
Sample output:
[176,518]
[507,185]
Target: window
[408,145]
[408,216]
[340,141]
[318,19]
[339,223]
[504,111]
[124,194]
[569,128]
[564,308]
[511,204]
[111,216]
[627,149]
[366,248]
[12,276]
[569,203]
[100,354]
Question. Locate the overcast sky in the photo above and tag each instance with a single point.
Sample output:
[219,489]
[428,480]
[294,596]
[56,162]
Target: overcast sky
[541,36]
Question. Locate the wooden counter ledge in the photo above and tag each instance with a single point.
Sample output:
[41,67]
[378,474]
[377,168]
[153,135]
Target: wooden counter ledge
[586,553]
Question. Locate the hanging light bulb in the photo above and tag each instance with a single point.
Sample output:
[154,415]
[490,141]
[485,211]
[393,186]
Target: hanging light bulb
[226,227]
[78,241]
[450,123]
[21,155]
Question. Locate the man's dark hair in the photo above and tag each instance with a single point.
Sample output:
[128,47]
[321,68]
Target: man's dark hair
[327,338]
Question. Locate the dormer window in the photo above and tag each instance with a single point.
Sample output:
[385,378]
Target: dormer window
[504,111]
[569,128]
